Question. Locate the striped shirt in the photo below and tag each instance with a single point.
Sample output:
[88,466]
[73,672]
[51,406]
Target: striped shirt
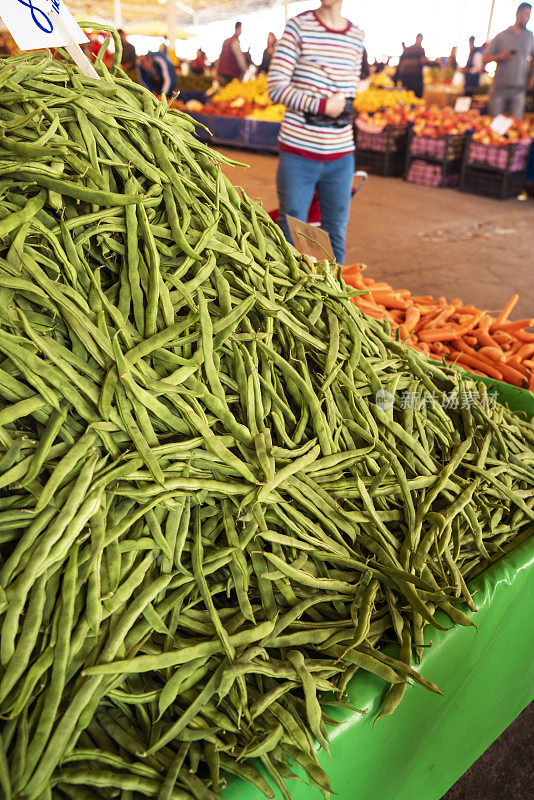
[310,63]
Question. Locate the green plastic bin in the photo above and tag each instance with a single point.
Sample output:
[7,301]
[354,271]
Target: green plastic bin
[487,678]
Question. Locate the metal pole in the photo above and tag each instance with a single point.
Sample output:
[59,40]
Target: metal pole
[117,5]
[171,26]
[490,22]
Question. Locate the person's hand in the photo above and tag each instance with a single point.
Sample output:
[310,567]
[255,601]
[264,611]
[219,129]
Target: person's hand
[335,105]
[506,55]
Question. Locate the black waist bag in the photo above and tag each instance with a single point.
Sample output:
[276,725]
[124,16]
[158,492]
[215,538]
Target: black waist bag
[324,121]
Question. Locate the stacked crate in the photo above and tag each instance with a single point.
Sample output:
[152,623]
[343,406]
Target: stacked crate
[495,170]
[434,161]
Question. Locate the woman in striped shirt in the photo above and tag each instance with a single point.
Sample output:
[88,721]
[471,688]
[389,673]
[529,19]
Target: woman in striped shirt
[314,72]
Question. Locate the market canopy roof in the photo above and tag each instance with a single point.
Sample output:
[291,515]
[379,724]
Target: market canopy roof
[133,14]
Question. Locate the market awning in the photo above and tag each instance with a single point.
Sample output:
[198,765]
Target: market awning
[144,14]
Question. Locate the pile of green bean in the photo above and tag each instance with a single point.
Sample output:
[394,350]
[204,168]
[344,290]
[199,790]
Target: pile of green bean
[208,522]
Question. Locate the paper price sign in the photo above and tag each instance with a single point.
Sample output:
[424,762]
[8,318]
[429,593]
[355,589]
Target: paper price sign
[36,24]
[501,124]
[462,105]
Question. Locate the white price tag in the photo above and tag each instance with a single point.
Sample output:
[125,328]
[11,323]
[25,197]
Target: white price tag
[501,124]
[462,105]
[37,24]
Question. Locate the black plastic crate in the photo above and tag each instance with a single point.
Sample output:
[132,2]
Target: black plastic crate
[382,153]
[390,164]
[511,157]
[426,172]
[491,183]
[392,139]
[443,149]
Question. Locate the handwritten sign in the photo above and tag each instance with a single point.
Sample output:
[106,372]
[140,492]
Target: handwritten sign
[501,124]
[310,240]
[36,24]
[462,105]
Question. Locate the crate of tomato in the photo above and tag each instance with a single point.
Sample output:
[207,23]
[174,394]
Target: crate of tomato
[495,163]
[381,140]
[436,145]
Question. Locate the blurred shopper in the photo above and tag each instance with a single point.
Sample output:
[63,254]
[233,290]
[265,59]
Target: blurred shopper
[473,68]
[397,75]
[411,63]
[380,66]
[94,45]
[129,56]
[198,65]
[314,72]
[512,49]
[232,62]
[365,70]
[267,53]
[452,61]
[158,74]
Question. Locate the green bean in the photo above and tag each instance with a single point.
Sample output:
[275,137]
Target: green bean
[207,518]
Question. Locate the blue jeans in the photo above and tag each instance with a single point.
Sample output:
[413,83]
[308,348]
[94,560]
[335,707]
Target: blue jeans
[298,178]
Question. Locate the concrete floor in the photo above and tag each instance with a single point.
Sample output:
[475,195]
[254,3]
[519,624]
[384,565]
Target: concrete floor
[441,242]
[506,770]
[431,241]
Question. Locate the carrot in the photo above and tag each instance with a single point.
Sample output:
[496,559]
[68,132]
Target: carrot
[364,301]
[494,353]
[463,317]
[379,287]
[484,339]
[389,299]
[412,317]
[507,310]
[512,327]
[525,336]
[450,332]
[512,375]
[379,313]
[515,347]
[462,346]
[473,361]
[500,337]
[442,317]
[423,299]
[469,309]
[471,340]
[426,308]
[440,348]
[352,268]
[515,364]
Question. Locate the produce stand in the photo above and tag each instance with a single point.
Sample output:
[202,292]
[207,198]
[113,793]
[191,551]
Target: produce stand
[252,134]
[529,177]
[496,171]
[487,679]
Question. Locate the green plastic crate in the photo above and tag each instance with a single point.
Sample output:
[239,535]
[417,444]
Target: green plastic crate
[487,678]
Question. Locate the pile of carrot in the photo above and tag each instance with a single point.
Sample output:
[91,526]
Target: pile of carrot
[461,334]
